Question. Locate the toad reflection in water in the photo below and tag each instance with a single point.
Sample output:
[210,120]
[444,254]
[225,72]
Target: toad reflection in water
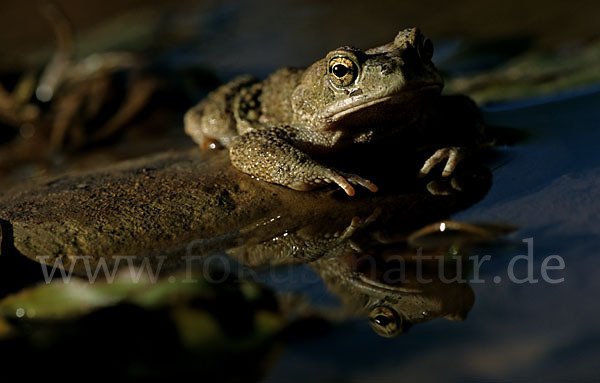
[359,260]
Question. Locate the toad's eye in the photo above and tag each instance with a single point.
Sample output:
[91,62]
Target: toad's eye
[425,50]
[339,70]
[342,71]
[385,321]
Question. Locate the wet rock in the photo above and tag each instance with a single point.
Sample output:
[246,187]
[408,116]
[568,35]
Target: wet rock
[137,207]
[159,207]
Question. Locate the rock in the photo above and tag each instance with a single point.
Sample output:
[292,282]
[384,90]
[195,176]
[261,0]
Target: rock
[157,207]
[144,206]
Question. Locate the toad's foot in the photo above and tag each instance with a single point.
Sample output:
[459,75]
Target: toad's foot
[452,156]
[342,179]
[271,155]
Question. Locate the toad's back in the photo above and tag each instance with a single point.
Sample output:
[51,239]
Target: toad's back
[241,105]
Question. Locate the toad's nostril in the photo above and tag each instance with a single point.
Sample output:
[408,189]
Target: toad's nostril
[357,92]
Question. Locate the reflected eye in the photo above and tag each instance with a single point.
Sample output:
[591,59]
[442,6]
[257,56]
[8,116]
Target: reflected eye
[382,320]
[385,321]
[342,71]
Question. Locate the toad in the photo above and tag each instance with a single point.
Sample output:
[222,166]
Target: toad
[276,130]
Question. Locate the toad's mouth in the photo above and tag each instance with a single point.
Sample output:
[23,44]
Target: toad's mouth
[351,105]
[367,283]
[377,275]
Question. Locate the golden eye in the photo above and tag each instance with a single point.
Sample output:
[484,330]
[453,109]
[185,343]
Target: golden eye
[342,71]
[385,322]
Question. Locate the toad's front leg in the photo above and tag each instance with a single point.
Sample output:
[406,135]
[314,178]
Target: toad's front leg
[271,155]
